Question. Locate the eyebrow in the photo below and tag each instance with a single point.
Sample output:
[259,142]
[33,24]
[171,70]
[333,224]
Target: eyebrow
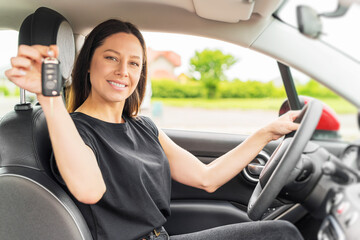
[116,52]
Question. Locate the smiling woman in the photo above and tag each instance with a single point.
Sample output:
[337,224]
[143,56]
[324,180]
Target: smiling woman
[116,65]
[130,61]
[115,149]
[122,175]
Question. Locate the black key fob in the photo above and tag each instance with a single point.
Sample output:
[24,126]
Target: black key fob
[51,82]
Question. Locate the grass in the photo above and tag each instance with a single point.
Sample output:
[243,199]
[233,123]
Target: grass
[340,106]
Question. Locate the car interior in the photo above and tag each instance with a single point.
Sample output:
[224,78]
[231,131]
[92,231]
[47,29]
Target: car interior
[38,207]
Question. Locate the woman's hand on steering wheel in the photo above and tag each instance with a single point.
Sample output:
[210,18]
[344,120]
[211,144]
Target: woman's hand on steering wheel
[282,125]
[284,159]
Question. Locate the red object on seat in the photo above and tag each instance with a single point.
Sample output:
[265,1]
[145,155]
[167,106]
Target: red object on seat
[328,121]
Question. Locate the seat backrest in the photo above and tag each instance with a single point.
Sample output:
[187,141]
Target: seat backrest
[32,204]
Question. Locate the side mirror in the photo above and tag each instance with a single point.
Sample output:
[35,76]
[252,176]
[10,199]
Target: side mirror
[329,124]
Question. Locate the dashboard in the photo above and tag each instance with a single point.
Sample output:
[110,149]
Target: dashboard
[343,220]
[351,156]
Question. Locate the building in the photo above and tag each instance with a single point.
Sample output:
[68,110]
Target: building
[162,64]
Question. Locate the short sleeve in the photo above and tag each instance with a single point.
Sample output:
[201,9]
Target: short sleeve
[151,125]
[88,140]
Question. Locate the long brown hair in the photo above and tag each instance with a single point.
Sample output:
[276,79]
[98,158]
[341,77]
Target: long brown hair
[80,88]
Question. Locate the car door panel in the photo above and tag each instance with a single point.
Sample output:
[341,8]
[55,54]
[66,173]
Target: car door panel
[195,209]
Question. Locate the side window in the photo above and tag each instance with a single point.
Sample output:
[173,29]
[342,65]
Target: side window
[340,121]
[9,93]
[204,84]
[209,85]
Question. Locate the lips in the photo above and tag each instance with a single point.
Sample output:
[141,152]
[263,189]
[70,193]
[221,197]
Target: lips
[117,84]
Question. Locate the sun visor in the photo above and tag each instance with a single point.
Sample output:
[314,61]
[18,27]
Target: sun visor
[225,11]
[233,11]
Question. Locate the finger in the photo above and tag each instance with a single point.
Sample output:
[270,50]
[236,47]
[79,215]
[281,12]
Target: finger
[30,52]
[21,62]
[47,51]
[294,114]
[293,126]
[16,76]
[17,80]
[14,72]
[55,49]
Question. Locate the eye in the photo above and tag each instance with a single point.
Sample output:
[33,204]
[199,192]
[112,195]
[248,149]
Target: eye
[111,58]
[136,64]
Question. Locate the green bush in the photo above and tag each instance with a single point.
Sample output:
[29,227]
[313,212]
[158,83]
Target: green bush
[17,92]
[4,91]
[315,89]
[235,89]
[250,89]
[170,89]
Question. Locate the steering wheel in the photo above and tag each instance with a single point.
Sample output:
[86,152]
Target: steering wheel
[283,160]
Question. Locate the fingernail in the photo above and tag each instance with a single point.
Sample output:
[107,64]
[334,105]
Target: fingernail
[51,53]
[22,72]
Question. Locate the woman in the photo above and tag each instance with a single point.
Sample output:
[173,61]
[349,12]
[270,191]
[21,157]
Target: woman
[118,166]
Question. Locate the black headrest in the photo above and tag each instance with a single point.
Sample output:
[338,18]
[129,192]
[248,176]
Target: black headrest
[46,27]
[25,31]
[24,140]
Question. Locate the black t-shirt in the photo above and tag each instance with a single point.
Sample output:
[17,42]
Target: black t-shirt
[136,173]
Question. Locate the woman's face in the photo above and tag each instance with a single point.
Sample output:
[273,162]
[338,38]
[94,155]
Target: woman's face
[115,68]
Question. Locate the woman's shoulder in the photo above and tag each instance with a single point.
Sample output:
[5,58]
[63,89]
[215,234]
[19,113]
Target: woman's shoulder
[146,122]
[81,122]
[80,118]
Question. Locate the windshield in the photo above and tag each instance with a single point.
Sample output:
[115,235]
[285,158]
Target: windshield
[341,32]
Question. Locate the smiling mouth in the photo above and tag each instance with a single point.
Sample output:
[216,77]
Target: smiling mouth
[117,84]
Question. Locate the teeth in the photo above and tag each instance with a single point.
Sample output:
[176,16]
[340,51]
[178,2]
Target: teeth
[117,84]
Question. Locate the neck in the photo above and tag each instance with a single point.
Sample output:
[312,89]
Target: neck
[105,111]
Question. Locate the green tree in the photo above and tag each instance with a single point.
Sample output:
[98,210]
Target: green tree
[210,65]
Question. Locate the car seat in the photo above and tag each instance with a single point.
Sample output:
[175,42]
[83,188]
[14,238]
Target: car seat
[32,204]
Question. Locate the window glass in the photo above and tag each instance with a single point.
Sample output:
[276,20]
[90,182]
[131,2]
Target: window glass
[249,95]
[343,112]
[337,32]
[9,93]
[242,104]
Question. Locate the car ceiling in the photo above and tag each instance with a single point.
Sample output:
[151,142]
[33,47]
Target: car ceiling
[180,16]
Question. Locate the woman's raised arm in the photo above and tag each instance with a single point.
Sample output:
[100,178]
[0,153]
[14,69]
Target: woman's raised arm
[76,161]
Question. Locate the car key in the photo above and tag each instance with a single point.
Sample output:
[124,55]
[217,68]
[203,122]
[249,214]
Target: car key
[51,77]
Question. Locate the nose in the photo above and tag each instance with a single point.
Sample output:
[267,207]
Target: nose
[122,70]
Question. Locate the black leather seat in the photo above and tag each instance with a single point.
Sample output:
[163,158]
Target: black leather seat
[32,204]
